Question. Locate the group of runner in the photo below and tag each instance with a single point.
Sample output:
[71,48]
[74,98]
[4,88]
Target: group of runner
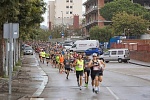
[80,63]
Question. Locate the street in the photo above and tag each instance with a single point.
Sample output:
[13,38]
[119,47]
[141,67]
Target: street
[121,81]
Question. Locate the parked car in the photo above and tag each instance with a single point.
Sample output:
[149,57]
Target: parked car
[90,51]
[28,51]
[120,55]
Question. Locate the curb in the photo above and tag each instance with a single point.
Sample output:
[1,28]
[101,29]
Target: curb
[39,90]
[139,64]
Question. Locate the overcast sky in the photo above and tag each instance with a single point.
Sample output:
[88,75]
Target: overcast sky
[45,15]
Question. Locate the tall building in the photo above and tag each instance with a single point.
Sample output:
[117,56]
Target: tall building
[63,12]
[93,17]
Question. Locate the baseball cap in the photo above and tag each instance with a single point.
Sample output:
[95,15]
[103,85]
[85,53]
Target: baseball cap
[94,54]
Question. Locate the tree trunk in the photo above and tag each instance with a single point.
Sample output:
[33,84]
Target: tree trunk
[1,53]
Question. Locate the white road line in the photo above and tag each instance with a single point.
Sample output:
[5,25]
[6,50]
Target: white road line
[116,97]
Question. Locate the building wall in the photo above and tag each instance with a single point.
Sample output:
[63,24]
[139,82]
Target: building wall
[51,13]
[67,10]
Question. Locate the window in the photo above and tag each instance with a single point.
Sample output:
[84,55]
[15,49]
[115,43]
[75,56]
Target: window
[70,12]
[106,53]
[67,6]
[113,52]
[67,0]
[74,46]
[71,1]
[71,7]
[67,12]
[120,52]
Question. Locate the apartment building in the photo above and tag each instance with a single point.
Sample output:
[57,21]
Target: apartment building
[93,17]
[63,12]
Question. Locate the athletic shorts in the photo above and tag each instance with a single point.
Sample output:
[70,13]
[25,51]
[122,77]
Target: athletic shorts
[96,73]
[66,68]
[79,73]
[88,72]
[48,58]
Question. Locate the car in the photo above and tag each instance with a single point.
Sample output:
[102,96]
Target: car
[67,46]
[28,51]
[120,55]
[90,51]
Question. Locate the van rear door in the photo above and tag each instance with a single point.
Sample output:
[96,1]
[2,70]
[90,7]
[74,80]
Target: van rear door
[127,54]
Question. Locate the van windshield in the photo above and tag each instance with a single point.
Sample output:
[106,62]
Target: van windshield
[74,46]
[106,53]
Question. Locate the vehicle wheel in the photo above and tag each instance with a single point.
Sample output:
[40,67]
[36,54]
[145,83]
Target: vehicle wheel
[107,61]
[126,61]
[120,60]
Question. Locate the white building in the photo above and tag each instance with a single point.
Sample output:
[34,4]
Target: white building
[62,11]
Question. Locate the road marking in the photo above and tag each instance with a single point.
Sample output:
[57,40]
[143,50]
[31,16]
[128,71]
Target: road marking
[116,97]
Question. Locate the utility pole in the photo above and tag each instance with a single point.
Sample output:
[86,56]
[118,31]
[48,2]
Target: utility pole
[62,33]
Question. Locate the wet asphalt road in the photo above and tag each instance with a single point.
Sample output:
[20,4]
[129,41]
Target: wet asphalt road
[121,81]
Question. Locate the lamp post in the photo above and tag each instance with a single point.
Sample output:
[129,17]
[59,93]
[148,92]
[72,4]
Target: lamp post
[62,33]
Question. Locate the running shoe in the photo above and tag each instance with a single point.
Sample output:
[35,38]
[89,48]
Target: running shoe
[78,84]
[66,77]
[96,90]
[86,85]
[80,88]
[93,90]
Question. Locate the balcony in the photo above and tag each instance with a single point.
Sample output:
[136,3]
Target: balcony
[95,22]
[147,6]
[88,2]
[92,9]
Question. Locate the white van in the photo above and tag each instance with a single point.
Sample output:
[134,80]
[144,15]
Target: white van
[120,55]
[82,45]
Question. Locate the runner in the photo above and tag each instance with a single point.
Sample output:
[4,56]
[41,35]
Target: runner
[98,67]
[57,60]
[79,63]
[61,63]
[67,63]
[86,70]
[43,56]
[40,55]
[47,55]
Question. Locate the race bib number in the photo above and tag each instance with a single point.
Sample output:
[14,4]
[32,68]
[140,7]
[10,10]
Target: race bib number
[67,63]
[96,68]
[86,65]
[80,66]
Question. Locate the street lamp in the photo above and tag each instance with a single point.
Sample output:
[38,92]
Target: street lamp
[62,34]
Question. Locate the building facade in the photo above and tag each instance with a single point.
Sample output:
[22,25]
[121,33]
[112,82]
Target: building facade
[93,17]
[63,12]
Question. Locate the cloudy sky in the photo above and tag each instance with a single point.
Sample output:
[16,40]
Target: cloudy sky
[45,15]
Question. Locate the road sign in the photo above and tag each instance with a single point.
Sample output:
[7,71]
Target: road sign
[50,37]
[11,30]
[62,34]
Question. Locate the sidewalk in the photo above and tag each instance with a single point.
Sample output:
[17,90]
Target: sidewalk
[141,63]
[29,82]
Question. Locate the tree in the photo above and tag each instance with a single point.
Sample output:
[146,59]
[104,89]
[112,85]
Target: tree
[133,25]
[116,6]
[28,13]
[101,34]
[30,16]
